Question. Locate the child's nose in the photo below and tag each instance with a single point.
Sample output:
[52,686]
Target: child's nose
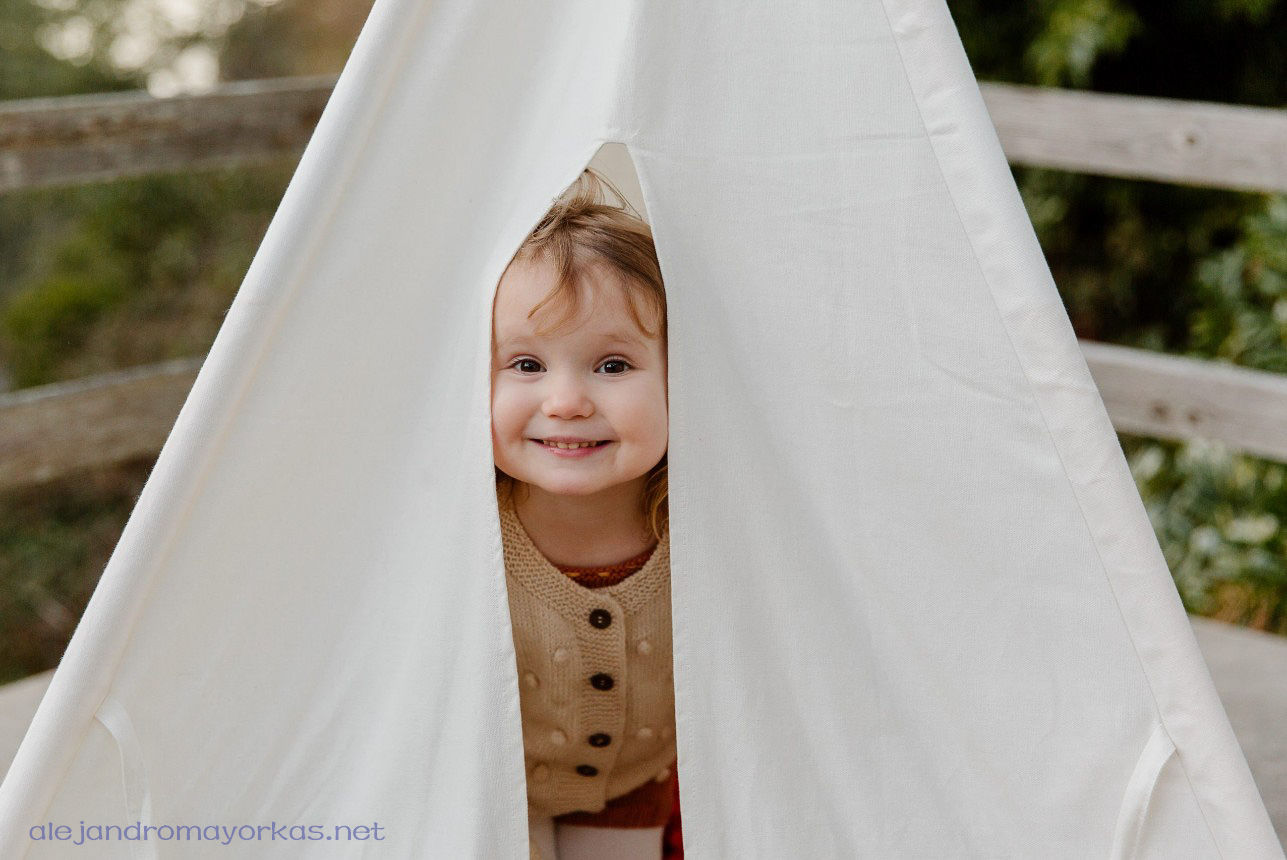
[567,397]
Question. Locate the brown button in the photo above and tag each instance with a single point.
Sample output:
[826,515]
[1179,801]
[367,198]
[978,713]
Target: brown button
[600,618]
[599,739]
[587,770]
[601,681]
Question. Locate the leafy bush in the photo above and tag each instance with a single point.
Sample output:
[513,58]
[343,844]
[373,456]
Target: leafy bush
[143,274]
[1220,516]
[54,541]
[45,322]
[1242,316]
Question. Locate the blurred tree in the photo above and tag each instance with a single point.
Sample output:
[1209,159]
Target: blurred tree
[150,265]
[145,274]
[1242,313]
[1221,516]
[29,70]
[1124,253]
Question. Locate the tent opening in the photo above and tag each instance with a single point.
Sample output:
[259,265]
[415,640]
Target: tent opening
[580,430]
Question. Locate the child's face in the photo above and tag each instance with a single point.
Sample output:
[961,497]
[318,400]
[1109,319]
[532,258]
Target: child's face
[597,379]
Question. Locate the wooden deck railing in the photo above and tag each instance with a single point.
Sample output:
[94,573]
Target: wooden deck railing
[54,430]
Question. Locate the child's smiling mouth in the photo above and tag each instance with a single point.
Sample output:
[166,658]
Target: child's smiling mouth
[571,447]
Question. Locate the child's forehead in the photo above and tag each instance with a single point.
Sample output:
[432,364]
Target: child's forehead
[591,328]
[527,282]
[592,340]
[602,312]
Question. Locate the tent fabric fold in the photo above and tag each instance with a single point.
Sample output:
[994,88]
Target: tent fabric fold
[919,609]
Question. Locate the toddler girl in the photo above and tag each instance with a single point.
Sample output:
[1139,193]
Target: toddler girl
[579,434]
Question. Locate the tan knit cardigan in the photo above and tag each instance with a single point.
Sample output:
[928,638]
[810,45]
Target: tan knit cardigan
[596,684]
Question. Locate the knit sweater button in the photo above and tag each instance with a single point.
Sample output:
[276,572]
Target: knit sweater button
[599,739]
[530,679]
[600,618]
[601,681]
[644,647]
[540,773]
[561,655]
[587,770]
[644,734]
[558,738]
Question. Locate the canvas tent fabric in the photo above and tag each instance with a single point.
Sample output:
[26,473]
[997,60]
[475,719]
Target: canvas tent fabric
[919,610]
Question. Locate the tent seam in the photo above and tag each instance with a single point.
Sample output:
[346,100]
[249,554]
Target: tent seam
[916,100]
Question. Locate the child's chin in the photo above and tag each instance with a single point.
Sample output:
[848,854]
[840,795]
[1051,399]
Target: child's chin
[570,488]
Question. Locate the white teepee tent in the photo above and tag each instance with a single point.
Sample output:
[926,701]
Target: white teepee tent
[919,610]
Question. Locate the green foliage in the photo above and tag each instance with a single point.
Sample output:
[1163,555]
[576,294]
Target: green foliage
[1219,518]
[1255,11]
[1075,34]
[1124,253]
[43,323]
[54,541]
[145,274]
[27,70]
[1242,317]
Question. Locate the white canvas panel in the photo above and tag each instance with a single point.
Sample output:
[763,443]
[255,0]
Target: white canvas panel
[918,608]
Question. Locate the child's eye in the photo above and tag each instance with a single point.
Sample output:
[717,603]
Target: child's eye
[615,366]
[526,365]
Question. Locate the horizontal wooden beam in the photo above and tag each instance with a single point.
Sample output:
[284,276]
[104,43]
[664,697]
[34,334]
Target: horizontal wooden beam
[1171,397]
[55,430]
[79,139]
[67,141]
[1188,143]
